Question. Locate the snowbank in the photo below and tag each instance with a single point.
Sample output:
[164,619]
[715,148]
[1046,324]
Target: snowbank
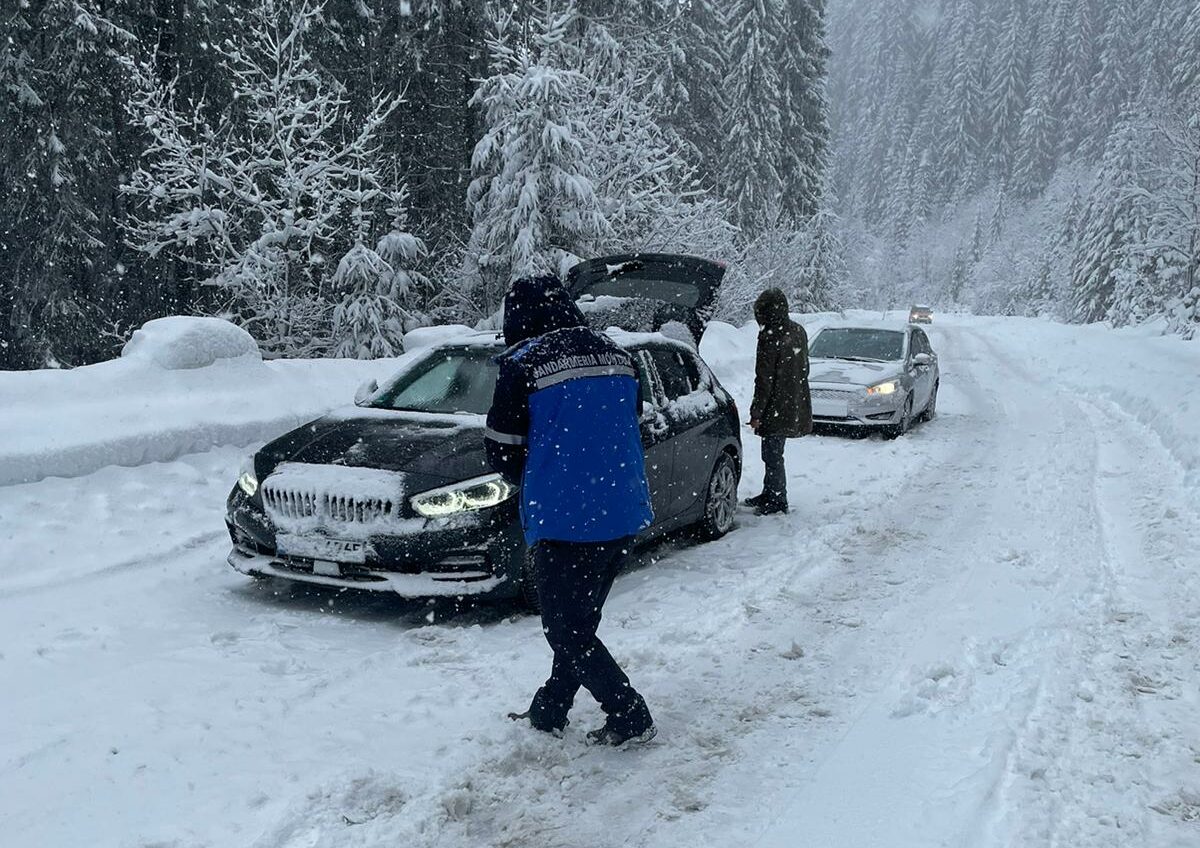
[183,342]
[151,406]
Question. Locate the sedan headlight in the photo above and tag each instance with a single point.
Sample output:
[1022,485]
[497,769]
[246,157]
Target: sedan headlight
[247,480]
[467,496]
[887,388]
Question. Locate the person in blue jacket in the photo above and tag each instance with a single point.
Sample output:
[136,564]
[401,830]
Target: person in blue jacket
[564,426]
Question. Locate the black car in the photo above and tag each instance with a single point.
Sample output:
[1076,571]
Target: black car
[395,493]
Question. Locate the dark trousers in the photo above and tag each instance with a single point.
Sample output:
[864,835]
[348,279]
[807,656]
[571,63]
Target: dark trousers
[574,579]
[775,481]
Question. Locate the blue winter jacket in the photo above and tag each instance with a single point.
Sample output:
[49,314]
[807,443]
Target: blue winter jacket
[564,421]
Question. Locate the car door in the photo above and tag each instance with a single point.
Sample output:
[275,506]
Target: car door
[656,439]
[691,411]
[924,374]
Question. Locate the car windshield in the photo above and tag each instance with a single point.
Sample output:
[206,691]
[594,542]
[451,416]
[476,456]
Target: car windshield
[861,343]
[454,380]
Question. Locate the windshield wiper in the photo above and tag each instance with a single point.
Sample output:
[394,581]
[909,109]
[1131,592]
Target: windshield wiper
[859,358]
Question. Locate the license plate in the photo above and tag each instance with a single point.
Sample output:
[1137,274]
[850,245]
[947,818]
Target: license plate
[322,548]
[830,408]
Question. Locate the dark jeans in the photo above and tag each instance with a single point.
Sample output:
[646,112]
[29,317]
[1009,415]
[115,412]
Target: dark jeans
[574,579]
[775,481]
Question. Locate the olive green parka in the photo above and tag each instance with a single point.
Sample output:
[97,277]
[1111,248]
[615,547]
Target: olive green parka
[782,403]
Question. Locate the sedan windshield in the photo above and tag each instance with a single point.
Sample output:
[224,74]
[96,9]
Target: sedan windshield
[451,381]
[861,343]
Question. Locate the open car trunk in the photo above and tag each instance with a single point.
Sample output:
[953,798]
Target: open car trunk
[641,292]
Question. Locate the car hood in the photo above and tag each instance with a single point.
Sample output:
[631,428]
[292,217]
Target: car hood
[853,373]
[432,450]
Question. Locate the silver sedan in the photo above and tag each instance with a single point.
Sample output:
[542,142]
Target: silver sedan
[881,377]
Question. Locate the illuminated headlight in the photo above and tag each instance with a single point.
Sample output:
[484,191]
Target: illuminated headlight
[467,496]
[247,480]
[887,388]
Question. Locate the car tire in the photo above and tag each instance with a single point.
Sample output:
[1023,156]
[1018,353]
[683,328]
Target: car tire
[529,589]
[720,499]
[895,431]
[931,407]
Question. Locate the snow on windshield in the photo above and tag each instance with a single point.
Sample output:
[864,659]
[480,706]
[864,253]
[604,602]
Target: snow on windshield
[858,343]
[455,380]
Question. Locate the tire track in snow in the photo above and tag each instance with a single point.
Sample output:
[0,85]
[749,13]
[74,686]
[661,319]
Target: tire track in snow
[923,760]
[1115,738]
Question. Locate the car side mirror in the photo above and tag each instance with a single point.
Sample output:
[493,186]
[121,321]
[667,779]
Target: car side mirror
[923,360]
[365,392]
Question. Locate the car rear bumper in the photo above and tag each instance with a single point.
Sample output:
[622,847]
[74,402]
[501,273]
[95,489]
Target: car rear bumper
[422,585]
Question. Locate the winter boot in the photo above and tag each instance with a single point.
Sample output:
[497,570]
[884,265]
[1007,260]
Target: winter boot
[771,508]
[527,716]
[757,500]
[616,738]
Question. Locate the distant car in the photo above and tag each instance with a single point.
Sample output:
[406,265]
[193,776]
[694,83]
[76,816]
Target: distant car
[395,493]
[920,315]
[875,377]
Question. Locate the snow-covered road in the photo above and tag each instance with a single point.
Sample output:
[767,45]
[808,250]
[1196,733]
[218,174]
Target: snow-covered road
[984,634]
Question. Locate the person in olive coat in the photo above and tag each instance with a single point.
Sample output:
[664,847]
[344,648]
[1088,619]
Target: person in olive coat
[782,407]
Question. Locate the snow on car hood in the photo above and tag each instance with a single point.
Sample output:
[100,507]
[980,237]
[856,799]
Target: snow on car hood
[854,373]
[437,449]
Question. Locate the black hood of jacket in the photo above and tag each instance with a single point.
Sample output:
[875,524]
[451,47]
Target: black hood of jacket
[771,308]
[535,306]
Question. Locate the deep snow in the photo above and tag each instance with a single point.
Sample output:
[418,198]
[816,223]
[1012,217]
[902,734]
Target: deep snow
[983,634]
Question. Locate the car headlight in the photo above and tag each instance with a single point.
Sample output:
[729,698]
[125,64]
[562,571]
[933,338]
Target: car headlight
[247,480]
[467,496]
[887,388]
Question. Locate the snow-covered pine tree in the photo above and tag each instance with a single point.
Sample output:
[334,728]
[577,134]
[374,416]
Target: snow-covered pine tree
[1115,81]
[1186,77]
[978,238]
[59,68]
[533,198]
[1075,70]
[999,217]
[375,287]
[1008,94]
[257,197]
[649,193]
[959,274]
[803,111]
[691,86]
[1175,228]
[1113,224]
[1038,142]
[753,122]
[960,144]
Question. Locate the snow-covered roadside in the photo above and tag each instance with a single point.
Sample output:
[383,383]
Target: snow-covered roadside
[134,411]
[131,412]
[1149,377]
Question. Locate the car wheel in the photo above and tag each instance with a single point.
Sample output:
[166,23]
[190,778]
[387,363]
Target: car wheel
[931,408]
[529,589]
[720,500]
[897,430]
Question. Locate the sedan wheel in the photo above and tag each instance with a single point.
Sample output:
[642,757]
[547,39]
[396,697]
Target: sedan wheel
[720,503]
[931,409]
[898,430]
